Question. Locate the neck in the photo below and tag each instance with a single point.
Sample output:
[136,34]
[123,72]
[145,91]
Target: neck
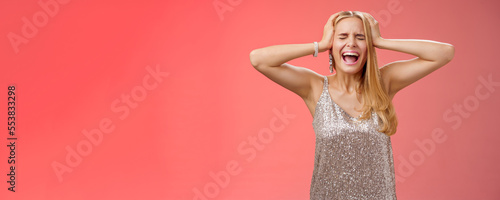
[347,82]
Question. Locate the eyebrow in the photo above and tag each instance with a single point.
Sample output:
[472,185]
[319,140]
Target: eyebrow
[357,34]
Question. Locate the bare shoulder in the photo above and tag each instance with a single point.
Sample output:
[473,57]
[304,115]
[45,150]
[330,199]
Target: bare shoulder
[314,94]
[316,81]
[386,79]
[297,79]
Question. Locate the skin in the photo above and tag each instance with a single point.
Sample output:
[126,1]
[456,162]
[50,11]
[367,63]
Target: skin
[349,35]
[271,61]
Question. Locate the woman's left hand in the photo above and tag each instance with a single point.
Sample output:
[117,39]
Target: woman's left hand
[376,38]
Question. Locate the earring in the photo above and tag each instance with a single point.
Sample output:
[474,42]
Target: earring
[331,63]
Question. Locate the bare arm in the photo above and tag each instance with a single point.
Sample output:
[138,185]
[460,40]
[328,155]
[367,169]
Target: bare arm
[271,61]
[430,56]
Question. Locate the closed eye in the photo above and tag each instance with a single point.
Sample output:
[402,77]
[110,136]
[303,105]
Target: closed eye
[360,36]
[343,35]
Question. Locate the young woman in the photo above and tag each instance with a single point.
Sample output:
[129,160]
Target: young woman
[353,115]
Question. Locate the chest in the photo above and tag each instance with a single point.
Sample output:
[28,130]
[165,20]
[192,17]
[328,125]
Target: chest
[348,102]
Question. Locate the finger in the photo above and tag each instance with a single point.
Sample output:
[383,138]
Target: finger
[332,17]
[336,15]
[367,16]
[370,18]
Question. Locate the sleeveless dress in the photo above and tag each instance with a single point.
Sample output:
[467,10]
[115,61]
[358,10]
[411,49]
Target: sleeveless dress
[352,159]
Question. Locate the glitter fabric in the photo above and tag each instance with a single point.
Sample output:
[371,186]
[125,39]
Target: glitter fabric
[352,159]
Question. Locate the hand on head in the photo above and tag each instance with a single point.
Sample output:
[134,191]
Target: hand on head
[374,29]
[328,31]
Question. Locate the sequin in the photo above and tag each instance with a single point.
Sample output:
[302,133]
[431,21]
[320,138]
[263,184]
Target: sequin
[352,159]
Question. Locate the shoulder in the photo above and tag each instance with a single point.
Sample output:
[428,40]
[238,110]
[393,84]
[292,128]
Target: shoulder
[313,77]
[385,76]
[317,81]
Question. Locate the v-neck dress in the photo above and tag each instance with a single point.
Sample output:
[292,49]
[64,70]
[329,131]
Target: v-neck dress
[353,160]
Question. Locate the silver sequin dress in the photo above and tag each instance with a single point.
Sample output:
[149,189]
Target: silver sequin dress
[352,159]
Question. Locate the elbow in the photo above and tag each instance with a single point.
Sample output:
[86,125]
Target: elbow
[255,58]
[448,53]
[445,55]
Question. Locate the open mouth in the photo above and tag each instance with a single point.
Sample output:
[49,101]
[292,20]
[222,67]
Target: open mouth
[350,57]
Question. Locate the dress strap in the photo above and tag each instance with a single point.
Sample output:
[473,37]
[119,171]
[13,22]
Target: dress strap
[325,82]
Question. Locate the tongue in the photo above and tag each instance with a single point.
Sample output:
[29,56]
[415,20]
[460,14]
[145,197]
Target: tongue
[350,59]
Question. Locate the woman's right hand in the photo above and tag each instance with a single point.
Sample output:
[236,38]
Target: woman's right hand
[327,40]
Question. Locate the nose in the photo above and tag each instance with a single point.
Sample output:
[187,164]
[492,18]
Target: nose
[350,42]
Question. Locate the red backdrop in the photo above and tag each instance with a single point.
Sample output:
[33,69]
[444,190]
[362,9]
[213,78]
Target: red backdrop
[158,100]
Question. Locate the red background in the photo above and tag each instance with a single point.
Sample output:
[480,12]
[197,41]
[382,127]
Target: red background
[203,115]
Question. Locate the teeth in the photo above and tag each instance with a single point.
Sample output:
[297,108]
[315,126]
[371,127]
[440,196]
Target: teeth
[350,54]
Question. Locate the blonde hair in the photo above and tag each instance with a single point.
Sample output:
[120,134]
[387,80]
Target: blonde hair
[375,97]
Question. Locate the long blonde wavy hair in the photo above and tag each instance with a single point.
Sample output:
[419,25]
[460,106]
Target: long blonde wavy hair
[375,97]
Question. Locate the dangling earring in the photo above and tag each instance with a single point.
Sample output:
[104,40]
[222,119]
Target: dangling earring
[331,62]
